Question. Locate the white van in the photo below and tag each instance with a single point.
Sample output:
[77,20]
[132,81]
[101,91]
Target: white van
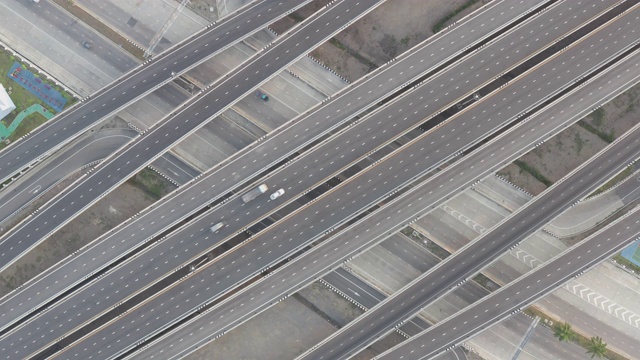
[217,226]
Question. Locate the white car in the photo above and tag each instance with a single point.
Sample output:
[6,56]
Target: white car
[217,226]
[276,194]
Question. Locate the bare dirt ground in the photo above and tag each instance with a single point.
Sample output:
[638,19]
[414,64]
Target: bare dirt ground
[285,330]
[522,179]
[386,32]
[110,211]
[567,150]
[282,332]
[290,328]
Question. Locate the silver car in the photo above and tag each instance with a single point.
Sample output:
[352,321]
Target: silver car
[276,194]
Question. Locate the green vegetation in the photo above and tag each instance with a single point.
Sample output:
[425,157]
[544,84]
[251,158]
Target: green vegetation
[337,43]
[295,16]
[597,117]
[616,179]
[628,264]
[22,98]
[485,282]
[631,97]
[579,142]
[581,340]
[151,183]
[533,171]
[602,135]
[597,347]
[405,40]
[422,240]
[29,123]
[564,332]
[442,22]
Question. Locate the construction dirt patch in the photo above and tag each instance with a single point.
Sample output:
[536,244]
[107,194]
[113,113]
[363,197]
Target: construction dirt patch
[113,209]
[566,151]
[386,32]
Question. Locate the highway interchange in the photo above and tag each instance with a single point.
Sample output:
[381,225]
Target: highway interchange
[194,114]
[376,227]
[162,215]
[510,108]
[326,211]
[521,293]
[139,82]
[90,150]
[133,270]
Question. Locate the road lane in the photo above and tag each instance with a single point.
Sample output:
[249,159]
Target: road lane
[177,126]
[328,211]
[351,102]
[376,227]
[27,189]
[525,291]
[140,81]
[149,262]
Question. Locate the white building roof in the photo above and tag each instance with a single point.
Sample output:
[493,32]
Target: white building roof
[6,105]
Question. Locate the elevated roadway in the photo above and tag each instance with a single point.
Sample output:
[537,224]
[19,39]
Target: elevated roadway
[521,293]
[162,215]
[326,212]
[140,81]
[238,308]
[468,261]
[180,124]
[160,260]
[93,148]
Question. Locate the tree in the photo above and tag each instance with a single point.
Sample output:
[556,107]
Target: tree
[597,347]
[564,332]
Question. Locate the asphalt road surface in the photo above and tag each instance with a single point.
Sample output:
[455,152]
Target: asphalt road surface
[468,261]
[163,213]
[94,148]
[175,169]
[138,82]
[152,144]
[376,227]
[330,209]
[513,297]
[353,287]
[53,39]
[155,256]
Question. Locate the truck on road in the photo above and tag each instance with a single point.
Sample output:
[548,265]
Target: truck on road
[254,193]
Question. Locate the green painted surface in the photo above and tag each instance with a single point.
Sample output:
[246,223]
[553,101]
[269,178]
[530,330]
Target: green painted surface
[5,131]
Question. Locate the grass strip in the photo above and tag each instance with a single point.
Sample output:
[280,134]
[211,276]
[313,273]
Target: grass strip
[608,138]
[533,171]
[615,180]
[442,22]
[626,263]
[337,43]
[579,339]
[100,27]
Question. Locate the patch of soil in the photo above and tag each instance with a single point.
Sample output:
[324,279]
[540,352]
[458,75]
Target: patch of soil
[119,205]
[388,31]
[340,61]
[618,115]
[522,179]
[564,152]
